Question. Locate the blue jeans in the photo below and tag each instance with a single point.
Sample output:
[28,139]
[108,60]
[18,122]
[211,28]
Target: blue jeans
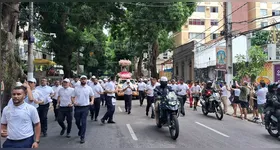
[80,114]
[110,109]
[25,143]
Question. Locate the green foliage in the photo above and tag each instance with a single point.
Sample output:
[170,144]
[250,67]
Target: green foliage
[260,38]
[254,67]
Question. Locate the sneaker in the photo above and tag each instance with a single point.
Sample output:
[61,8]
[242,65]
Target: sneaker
[68,135]
[82,141]
[62,131]
[111,122]
[103,121]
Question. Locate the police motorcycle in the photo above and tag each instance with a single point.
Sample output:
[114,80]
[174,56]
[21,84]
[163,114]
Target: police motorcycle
[167,112]
[214,104]
[272,122]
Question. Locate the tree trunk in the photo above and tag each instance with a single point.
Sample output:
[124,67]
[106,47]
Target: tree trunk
[139,67]
[11,66]
[67,67]
[155,53]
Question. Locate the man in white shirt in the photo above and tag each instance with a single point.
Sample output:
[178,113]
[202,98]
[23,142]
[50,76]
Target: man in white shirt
[36,94]
[17,122]
[104,86]
[102,96]
[182,90]
[65,107]
[80,99]
[127,89]
[173,85]
[47,92]
[97,90]
[111,89]
[55,88]
[261,99]
[195,92]
[224,96]
[150,97]
[76,82]
[141,89]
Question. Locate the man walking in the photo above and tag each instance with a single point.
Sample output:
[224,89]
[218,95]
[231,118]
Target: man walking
[150,97]
[182,90]
[127,88]
[195,92]
[65,107]
[141,89]
[55,88]
[47,92]
[17,122]
[110,101]
[80,100]
[97,90]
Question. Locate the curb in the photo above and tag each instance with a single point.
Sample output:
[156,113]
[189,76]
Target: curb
[250,120]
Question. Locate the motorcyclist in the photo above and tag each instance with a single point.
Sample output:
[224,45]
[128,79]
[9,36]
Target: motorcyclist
[269,106]
[162,90]
[276,105]
[205,90]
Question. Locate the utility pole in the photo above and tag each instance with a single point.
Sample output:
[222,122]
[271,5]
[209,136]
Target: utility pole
[31,40]
[228,37]
[1,70]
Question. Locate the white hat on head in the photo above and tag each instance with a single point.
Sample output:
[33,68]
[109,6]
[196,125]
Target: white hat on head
[93,77]
[66,80]
[83,76]
[18,84]
[105,79]
[32,80]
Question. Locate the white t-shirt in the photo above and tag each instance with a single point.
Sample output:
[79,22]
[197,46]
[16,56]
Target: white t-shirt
[82,94]
[173,87]
[224,91]
[96,90]
[195,89]
[141,86]
[46,91]
[261,95]
[128,91]
[150,90]
[56,89]
[182,89]
[237,92]
[65,95]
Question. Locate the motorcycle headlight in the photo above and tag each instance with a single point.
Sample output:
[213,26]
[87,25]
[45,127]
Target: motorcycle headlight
[172,102]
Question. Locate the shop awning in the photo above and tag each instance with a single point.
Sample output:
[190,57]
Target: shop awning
[43,62]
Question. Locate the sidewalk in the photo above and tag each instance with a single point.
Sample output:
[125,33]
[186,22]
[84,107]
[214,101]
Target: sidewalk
[230,112]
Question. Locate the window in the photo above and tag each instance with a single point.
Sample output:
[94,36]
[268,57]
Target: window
[214,22]
[214,9]
[193,35]
[196,22]
[278,26]
[264,24]
[275,2]
[214,36]
[200,9]
[275,12]
[44,56]
[263,12]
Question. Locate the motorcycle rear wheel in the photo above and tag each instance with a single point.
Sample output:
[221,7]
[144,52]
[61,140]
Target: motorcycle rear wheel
[220,111]
[174,127]
[204,111]
[157,116]
[269,130]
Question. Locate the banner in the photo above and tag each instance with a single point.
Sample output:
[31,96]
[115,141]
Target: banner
[277,72]
[221,58]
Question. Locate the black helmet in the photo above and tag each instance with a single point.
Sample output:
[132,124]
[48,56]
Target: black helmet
[209,84]
[272,87]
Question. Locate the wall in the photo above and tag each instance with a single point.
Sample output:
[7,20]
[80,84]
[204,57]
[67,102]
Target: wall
[239,16]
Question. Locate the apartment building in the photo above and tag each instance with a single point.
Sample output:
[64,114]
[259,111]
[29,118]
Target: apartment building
[206,15]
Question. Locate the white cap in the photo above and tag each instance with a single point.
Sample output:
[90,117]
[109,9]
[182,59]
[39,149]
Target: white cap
[99,80]
[105,79]
[127,80]
[93,77]
[18,84]
[32,80]
[83,76]
[163,78]
[66,80]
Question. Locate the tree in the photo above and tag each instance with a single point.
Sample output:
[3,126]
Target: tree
[10,61]
[254,67]
[260,38]
[150,22]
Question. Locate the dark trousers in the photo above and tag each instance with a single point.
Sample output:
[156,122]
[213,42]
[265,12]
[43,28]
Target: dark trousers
[141,97]
[54,108]
[80,114]
[196,99]
[105,98]
[94,109]
[102,98]
[150,100]
[110,109]
[182,102]
[43,114]
[127,102]
[65,112]
[25,143]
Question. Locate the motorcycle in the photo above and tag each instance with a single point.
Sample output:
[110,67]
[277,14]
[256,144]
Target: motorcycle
[214,105]
[167,113]
[272,126]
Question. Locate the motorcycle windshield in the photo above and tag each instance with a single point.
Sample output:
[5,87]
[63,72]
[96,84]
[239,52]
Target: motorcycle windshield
[171,96]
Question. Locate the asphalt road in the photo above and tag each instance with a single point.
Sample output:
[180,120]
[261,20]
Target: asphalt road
[139,131]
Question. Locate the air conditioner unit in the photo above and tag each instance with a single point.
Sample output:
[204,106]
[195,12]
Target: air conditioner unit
[271,50]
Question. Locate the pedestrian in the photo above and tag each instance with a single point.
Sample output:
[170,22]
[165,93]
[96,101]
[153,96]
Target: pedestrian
[195,93]
[235,102]
[261,99]
[97,91]
[150,97]
[17,122]
[141,89]
[55,88]
[65,107]
[104,86]
[224,92]
[102,96]
[111,89]
[76,82]
[80,100]
[47,92]
[173,85]
[127,89]
[182,91]
[190,84]
[243,98]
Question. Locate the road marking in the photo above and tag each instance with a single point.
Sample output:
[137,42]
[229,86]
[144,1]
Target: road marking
[212,129]
[120,109]
[131,132]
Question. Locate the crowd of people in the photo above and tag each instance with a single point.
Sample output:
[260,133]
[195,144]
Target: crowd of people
[76,98]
